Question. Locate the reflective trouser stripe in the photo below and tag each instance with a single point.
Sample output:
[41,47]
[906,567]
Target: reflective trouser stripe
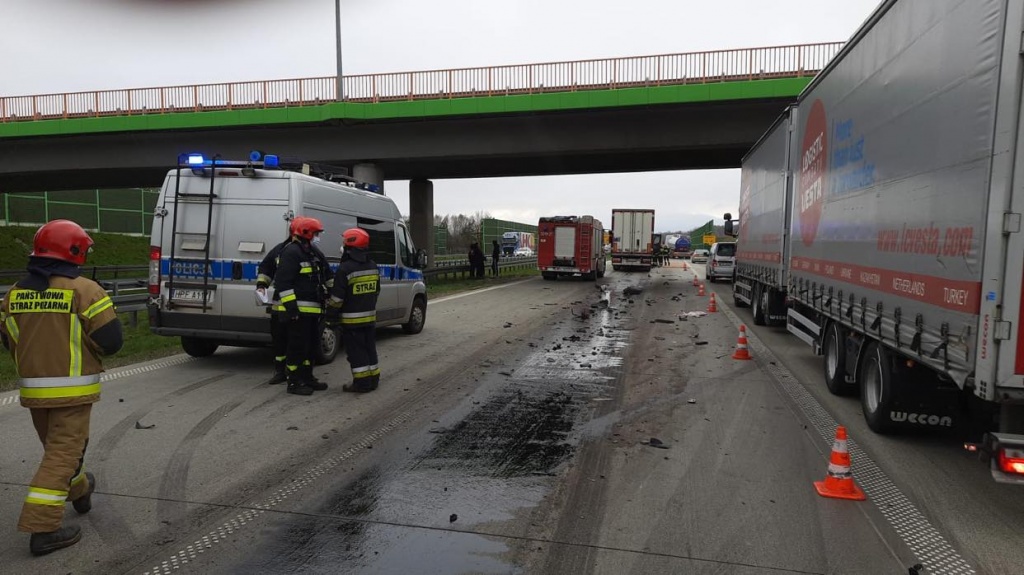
[40,496]
[365,371]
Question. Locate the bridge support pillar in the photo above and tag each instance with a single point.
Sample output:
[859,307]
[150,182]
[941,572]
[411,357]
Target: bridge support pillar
[370,174]
[421,216]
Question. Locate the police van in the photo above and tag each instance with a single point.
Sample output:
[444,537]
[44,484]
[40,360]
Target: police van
[215,221]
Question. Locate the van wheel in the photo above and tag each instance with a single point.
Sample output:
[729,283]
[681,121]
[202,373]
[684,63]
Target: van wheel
[417,317]
[876,388]
[327,348]
[198,347]
[600,273]
[833,350]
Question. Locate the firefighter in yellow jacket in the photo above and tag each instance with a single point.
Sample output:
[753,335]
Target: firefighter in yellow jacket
[57,324]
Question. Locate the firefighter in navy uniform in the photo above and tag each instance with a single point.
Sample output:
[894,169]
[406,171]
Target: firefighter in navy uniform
[298,285]
[278,321]
[57,324]
[353,304]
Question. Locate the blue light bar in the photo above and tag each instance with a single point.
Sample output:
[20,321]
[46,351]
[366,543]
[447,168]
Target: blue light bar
[195,159]
[255,155]
[271,161]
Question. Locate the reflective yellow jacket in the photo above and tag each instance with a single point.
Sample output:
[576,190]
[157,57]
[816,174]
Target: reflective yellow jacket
[48,336]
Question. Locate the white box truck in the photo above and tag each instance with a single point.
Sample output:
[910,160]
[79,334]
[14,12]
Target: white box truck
[899,226]
[632,239]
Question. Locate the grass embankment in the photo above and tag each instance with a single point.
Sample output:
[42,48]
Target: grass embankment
[140,344]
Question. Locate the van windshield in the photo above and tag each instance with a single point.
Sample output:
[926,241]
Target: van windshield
[726,250]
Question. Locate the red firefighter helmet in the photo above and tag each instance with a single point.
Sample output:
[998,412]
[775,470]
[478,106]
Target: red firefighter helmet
[62,240]
[306,227]
[355,238]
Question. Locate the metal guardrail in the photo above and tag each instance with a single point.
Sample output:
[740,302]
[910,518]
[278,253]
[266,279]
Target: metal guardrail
[461,268]
[793,61]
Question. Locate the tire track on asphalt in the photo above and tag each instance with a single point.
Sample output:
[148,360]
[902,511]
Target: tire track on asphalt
[110,526]
[171,504]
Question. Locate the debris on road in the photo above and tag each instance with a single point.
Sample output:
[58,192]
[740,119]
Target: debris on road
[632,290]
[691,401]
[139,425]
[453,518]
[655,442]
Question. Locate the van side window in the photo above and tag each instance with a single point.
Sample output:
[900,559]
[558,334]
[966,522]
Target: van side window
[405,248]
[382,240]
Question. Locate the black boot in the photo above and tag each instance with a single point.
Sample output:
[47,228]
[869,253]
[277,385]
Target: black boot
[43,543]
[280,375]
[298,387]
[310,379]
[363,385]
[84,503]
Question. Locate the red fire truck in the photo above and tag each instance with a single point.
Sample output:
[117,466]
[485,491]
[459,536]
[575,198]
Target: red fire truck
[570,246]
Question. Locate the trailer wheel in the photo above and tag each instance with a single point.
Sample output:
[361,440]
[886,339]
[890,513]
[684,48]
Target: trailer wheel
[876,388]
[198,347]
[548,276]
[758,297]
[834,353]
[600,273]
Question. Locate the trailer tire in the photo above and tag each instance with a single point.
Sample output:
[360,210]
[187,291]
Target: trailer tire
[600,273]
[876,388]
[757,299]
[833,352]
[198,347]
[548,276]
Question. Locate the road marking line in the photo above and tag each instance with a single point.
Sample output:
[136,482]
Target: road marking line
[206,542]
[11,398]
[927,544]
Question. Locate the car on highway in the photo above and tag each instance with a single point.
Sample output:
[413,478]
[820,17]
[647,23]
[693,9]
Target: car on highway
[699,256]
[527,252]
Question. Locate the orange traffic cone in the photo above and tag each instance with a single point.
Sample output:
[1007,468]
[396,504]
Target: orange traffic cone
[741,345]
[700,290]
[839,481]
[684,266]
[712,307]
[695,281]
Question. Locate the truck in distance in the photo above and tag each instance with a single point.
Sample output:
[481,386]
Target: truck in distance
[632,239]
[570,246]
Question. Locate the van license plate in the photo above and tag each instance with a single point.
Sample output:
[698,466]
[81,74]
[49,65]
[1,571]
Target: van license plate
[191,296]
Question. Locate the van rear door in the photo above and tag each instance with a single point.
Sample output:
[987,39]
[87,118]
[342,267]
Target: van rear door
[211,249]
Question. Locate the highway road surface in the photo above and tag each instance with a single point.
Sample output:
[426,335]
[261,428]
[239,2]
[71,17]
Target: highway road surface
[532,427]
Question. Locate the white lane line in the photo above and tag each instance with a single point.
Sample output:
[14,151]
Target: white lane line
[476,291]
[11,398]
[927,544]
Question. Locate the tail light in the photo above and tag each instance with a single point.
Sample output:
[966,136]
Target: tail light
[154,270]
[1011,460]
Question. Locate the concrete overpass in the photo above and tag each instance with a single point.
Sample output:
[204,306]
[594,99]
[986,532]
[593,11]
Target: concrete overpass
[668,112]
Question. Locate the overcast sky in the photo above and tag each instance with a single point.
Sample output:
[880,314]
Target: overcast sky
[72,45]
